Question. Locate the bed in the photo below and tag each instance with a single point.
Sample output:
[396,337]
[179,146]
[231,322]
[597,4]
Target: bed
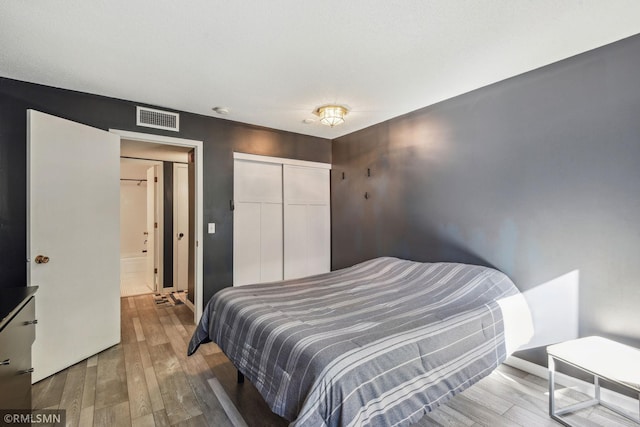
[379,343]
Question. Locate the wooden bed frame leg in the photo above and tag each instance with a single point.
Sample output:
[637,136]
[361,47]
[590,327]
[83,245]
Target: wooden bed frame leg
[240,377]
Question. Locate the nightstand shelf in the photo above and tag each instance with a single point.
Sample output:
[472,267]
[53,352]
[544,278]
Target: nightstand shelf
[17,332]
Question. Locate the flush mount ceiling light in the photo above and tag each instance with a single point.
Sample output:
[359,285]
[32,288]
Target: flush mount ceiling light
[331,115]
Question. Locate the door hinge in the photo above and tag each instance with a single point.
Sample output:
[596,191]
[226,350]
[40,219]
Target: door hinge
[155,271]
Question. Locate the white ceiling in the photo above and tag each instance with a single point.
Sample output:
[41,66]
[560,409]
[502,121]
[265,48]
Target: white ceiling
[273,62]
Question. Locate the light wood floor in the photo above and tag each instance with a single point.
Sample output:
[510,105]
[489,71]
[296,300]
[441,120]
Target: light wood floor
[148,380]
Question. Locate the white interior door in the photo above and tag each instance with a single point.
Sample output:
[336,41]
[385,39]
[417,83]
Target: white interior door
[151,228]
[154,227]
[74,220]
[257,222]
[180,226]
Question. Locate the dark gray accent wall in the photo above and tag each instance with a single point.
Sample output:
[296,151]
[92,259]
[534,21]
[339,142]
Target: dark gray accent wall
[221,138]
[537,175]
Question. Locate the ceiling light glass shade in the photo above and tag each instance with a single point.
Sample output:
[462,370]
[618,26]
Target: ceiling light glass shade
[331,115]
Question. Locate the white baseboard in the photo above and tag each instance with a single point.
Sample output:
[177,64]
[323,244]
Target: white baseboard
[623,402]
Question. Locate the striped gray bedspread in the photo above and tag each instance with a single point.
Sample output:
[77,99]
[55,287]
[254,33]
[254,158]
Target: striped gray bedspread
[378,344]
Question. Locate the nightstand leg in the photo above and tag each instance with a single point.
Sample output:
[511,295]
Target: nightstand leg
[552,396]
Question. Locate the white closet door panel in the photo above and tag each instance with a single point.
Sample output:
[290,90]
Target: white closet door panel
[281,221]
[295,241]
[246,243]
[306,184]
[319,239]
[271,242]
[257,222]
[307,221]
[257,182]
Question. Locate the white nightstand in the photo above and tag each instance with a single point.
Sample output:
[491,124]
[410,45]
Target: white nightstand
[602,358]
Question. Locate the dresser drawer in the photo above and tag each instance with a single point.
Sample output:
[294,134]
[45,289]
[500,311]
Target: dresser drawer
[15,359]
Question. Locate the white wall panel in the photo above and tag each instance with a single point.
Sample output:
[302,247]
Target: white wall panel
[296,241]
[307,221]
[257,182]
[257,222]
[271,242]
[319,232]
[306,184]
[246,243]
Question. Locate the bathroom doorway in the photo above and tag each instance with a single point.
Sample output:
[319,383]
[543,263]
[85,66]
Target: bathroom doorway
[159,248]
[140,240]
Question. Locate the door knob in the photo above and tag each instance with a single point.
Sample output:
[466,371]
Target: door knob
[41,259]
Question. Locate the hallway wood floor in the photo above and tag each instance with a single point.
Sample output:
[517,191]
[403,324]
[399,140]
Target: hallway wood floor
[148,380]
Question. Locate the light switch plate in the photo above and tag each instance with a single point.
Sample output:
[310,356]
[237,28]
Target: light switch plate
[212,228]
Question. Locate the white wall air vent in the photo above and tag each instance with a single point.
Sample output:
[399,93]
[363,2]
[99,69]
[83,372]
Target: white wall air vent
[157,119]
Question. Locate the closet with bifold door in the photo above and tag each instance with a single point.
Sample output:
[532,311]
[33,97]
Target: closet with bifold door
[281,219]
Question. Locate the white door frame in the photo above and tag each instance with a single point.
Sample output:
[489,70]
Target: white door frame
[198,160]
[177,209]
[157,249]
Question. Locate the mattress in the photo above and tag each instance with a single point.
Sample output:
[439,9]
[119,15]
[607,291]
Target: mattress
[379,343]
